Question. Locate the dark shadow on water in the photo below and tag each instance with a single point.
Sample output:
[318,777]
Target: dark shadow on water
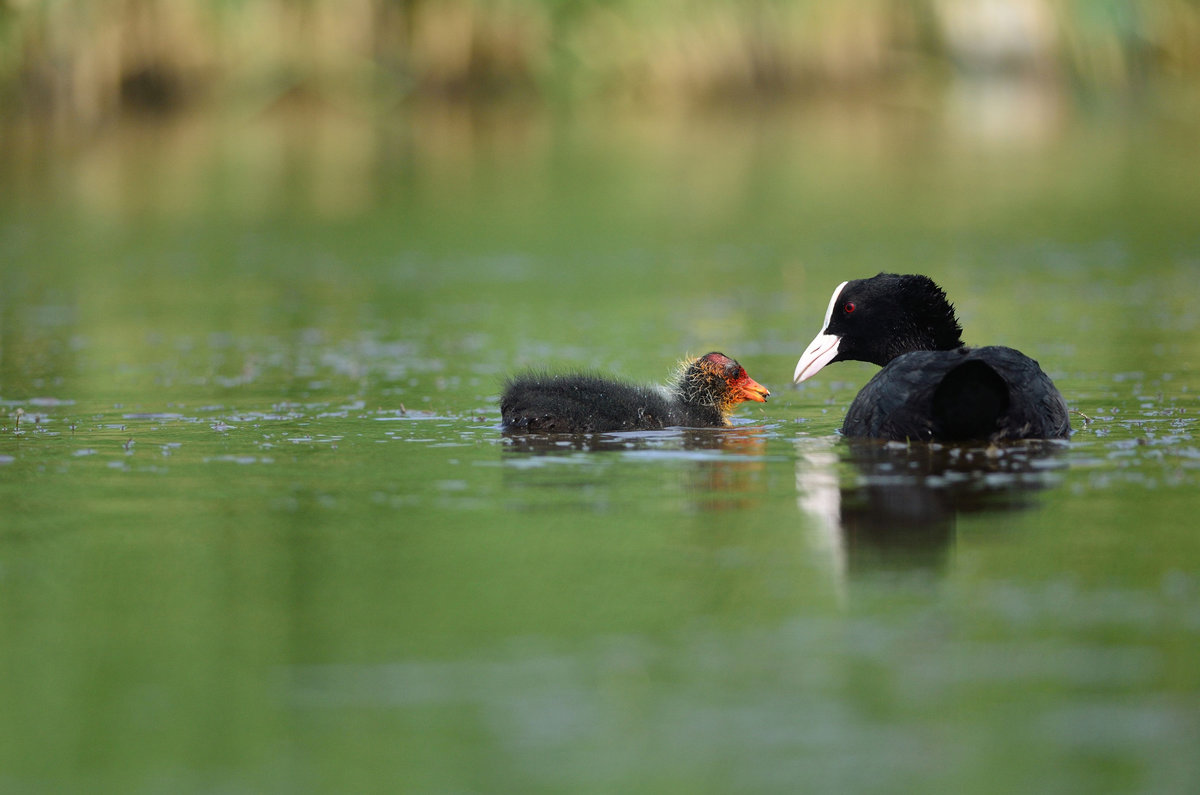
[721,468]
[732,440]
[888,506]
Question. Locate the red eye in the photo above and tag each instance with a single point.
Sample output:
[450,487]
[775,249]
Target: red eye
[849,307]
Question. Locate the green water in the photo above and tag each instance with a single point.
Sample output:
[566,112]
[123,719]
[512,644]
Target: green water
[260,531]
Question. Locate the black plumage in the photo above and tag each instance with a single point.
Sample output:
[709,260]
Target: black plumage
[931,387]
[702,395]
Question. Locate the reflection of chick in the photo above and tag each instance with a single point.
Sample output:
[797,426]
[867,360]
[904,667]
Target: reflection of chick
[735,479]
[703,395]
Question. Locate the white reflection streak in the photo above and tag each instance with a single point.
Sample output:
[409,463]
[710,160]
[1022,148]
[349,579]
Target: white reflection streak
[818,496]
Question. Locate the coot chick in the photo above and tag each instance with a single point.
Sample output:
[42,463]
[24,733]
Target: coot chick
[931,387]
[703,394]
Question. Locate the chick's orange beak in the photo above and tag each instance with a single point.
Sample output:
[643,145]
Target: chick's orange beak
[749,389]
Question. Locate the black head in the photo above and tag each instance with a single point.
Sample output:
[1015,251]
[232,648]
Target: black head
[717,381]
[877,319]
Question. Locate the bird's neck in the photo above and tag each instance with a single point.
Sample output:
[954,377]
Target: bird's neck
[697,405]
[902,344]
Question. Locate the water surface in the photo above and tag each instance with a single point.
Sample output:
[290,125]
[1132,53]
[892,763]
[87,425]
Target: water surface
[261,531]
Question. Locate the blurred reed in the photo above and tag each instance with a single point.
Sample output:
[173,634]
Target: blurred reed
[82,61]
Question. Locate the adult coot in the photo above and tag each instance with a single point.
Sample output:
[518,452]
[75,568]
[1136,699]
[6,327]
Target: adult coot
[703,394]
[931,386]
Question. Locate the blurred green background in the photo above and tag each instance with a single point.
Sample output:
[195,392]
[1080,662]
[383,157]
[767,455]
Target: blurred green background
[268,105]
[79,61]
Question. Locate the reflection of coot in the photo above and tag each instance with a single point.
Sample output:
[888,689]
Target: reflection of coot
[705,392]
[931,386]
[901,507]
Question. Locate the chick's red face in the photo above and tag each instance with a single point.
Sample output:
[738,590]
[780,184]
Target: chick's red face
[746,388]
[741,386]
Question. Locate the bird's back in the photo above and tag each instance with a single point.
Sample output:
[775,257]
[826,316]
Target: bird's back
[581,403]
[991,393]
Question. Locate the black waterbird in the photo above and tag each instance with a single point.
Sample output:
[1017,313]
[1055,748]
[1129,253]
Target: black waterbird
[703,394]
[931,387]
